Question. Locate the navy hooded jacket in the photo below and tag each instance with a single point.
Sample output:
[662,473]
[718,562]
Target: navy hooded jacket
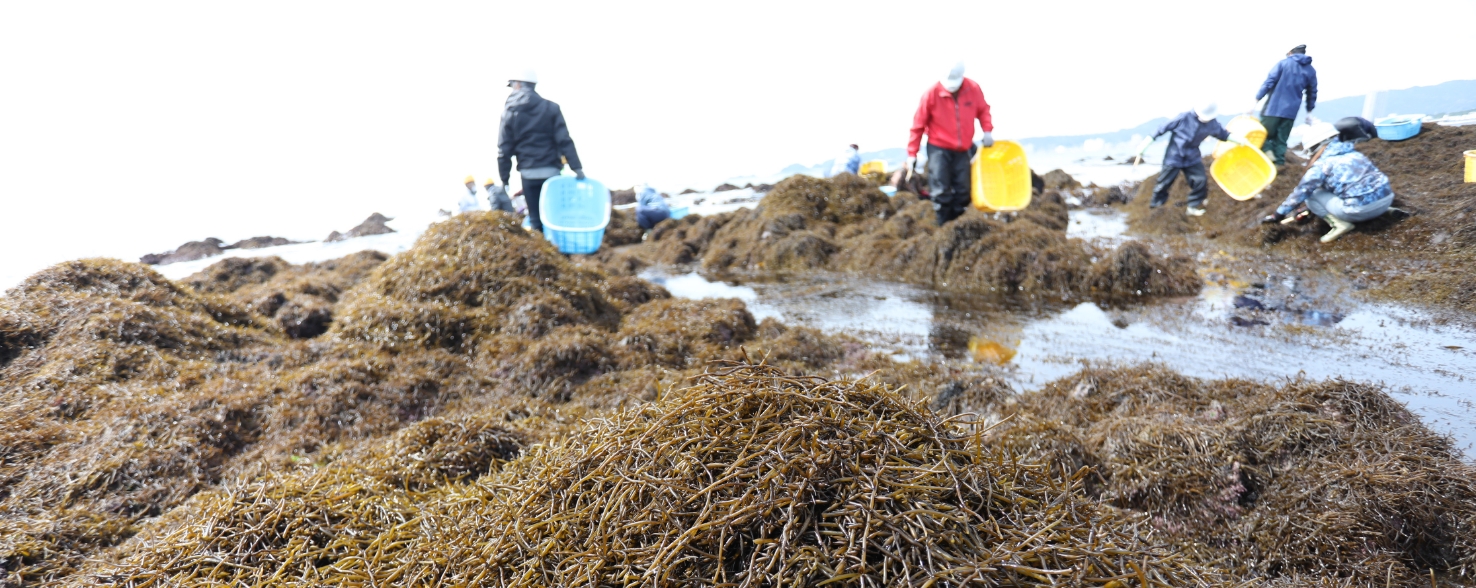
[1286,83]
[1188,133]
[533,130]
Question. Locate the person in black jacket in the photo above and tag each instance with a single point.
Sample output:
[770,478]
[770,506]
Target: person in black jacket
[533,130]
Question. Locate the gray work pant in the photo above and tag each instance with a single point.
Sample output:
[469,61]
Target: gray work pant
[1324,203]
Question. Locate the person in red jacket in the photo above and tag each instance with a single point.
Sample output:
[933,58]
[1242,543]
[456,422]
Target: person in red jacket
[946,115]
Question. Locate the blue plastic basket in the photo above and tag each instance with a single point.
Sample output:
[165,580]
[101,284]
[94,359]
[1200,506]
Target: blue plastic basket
[1398,128]
[678,212]
[574,213]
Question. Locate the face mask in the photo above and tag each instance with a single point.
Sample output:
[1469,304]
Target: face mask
[953,85]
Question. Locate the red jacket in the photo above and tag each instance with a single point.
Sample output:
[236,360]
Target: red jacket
[948,123]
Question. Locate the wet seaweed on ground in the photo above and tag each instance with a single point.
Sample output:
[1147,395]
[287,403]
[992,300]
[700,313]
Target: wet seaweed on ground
[1303,480]
[845,224]
[125,394]
[747,476]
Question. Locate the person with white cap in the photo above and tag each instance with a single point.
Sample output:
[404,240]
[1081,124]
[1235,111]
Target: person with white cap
[1189,129]
[946,115]
[533,130]
[1342,186]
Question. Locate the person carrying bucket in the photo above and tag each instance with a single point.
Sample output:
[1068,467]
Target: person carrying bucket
[651,208]
[1189,129]
[533,130]
[497,195]
[1288,81]
[1341,185]
[946,115]
[848,162]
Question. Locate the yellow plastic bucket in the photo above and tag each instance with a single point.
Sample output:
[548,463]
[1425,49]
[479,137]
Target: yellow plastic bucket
[1471,167]
[1242,172]
[875,165]
[1243,126]
[1000,178]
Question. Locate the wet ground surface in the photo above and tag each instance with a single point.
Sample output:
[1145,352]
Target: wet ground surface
[1263,327]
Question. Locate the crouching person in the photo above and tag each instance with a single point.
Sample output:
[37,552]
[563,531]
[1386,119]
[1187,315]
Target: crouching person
[651,208]
[1342,186]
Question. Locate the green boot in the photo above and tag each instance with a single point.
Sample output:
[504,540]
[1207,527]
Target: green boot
[1339,227]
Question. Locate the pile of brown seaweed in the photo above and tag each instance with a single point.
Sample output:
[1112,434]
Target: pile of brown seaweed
[748,477]
[122,394]
[1299,483]
[845,224]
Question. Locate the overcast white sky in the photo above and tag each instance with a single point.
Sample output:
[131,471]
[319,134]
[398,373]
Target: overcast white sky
[128,127]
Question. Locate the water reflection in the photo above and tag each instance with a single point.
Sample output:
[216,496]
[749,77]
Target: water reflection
[1265,331]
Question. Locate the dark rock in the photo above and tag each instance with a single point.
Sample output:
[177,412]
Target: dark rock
[187,252]
[1060,180]
[262,242]
[1248,302]
[688,191]
[1245,322]
[374,225]
[626,196]
[725,188]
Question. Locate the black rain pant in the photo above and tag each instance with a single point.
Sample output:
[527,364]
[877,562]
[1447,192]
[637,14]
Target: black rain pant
[948,180]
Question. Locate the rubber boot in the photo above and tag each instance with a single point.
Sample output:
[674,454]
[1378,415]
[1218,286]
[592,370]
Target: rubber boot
[1339,227]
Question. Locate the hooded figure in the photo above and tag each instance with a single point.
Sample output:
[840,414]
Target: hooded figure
[651,208]
[1188,130]
[1291,79]
[533,130]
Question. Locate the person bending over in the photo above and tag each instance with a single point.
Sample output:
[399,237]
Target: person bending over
[1342,185]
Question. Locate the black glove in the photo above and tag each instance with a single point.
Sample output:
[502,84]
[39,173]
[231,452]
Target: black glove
[1274,217]
[579,173]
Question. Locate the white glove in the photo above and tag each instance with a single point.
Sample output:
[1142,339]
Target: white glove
[987,140]
[911,165]
[1309,120]
[1239,140]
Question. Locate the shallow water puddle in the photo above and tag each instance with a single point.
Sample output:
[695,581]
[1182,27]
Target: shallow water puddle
[1104,225]
[1430,367]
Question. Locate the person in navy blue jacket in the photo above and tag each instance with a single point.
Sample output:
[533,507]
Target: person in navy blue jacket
[1189,129]
[1288,82]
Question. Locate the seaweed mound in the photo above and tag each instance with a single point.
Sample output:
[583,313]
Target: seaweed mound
[125,394]
[468,278]
[751,477]
[747,477]
[299,299]
[845,224]
[1293,483]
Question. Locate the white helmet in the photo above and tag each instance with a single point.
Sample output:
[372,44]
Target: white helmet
[1207,112]
[524,75]
[1316,134]
[954,80]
